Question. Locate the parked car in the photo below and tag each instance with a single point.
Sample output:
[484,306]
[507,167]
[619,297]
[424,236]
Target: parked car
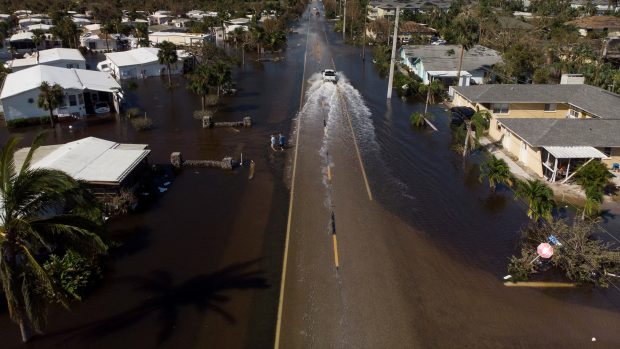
[102,108]
[329,76]
[460,114]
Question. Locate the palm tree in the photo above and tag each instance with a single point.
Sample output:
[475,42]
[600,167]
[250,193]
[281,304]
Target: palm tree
[467,37]
[417,120]
[496,170]
[50,98]
[106,30]
[167,55]
[259,37]
[199,82]
[142,33]
[37,217]
[38,38]
[219,75]
[539,198]
[475,128]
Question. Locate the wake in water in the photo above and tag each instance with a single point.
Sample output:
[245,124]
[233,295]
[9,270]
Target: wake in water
[332,103]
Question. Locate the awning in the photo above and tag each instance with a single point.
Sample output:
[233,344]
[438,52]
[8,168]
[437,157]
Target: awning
[580,152]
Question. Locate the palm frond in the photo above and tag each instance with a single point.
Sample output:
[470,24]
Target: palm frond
[7,163]
[38,141]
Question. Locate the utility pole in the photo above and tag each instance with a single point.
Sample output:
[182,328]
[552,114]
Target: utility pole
[344,24]
[393,60]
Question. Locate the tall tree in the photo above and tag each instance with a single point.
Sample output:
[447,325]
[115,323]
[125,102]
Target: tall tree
[496,171]
[539,198]
[167,55]
[50,98]
[467,37]
[199,82]
[219,75]
[25,232]
[38,38]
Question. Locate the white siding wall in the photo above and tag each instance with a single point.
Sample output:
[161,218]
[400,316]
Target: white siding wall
[147,70]
[18,106]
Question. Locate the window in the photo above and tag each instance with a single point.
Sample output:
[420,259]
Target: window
[69,66]
[572,114]
[81,99]
[72,100]
[550,107]
[607,151]
[500,108]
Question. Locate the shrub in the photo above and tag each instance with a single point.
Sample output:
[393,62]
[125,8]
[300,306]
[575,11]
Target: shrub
[23,122]
[142,123]
[131,112]
[73,273]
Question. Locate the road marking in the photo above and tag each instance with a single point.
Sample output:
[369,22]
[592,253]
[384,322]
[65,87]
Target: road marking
[290,205]
[538,284]
[336,262]
[357,149]
[329,173]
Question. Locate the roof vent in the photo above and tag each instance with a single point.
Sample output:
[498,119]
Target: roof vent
[572,79]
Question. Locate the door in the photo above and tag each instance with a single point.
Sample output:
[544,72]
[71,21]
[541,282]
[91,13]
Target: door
[523,153]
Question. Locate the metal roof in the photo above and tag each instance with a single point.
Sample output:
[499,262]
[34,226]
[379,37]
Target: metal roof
[143,55]
[46,56]
[591,99]
[89,159]
[77,79]
[582,152]
[538,132]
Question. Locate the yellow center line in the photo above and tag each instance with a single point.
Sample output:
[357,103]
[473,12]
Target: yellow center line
[290,205]
[335,241]
[357,149]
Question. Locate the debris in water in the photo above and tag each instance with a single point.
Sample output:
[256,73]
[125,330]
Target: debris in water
[593,339]
[166,184]
[162,190]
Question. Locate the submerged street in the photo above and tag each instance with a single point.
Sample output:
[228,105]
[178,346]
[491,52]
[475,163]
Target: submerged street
[407,266]
[363,233]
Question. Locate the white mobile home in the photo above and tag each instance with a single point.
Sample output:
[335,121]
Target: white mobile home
[56,57]
[139,63]
[82,89]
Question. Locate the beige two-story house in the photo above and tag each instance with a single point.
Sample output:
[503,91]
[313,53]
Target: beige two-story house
[586,117]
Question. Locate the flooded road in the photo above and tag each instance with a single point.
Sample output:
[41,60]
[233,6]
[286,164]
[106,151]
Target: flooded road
[420,264]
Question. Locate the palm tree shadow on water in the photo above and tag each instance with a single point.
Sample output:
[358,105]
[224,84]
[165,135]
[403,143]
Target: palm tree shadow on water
[204,292]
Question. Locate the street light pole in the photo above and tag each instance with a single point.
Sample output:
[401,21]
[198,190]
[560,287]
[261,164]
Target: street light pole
[344,24]
[364,34]
[393,60]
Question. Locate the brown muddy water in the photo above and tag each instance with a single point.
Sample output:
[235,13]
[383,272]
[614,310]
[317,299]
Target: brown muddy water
[201,266]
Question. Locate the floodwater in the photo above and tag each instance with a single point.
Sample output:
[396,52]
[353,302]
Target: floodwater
[201,266]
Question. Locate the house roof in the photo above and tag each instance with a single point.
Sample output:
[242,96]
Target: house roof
[578,152]
[21,36]
[593,100]
[47,56]
[77,79]
[40,26]
[596,22]
[417,28]
[538,132]
[89,159]
[513,23]
[446,57]
[143,55]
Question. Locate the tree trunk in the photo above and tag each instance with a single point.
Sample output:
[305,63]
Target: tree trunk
[169,79]
[458,75]
[26,331]
[51,117]
[466,141]
[202,100]
[218,92]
